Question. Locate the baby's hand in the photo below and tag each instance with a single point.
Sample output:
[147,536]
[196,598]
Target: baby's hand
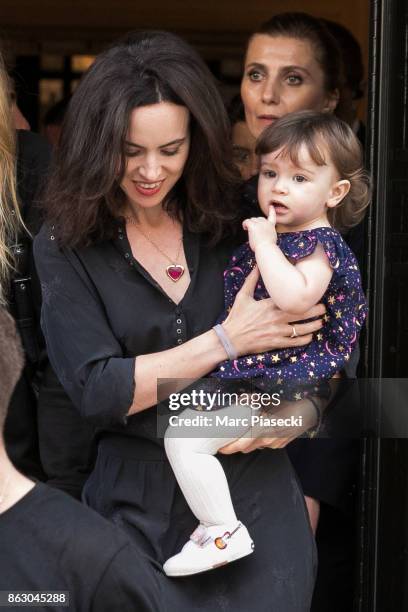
[260,230]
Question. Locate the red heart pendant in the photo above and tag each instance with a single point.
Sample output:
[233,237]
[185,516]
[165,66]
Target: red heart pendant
[175,272]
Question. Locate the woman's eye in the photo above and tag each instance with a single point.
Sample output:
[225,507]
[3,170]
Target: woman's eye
[133,152]
[294,79]
[170,152]
[255,75]
[298,178]
[240,155]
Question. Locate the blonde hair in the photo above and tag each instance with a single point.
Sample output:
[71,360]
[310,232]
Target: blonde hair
[10,217]
[320,131]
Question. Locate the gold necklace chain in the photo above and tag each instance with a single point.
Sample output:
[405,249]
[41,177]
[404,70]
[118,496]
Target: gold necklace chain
[132,220]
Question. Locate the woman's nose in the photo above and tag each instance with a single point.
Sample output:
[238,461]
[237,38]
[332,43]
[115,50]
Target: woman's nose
[270,92]
[150,169]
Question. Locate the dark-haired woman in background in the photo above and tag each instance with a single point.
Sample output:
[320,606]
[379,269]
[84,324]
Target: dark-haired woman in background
[293,63]
[131,262]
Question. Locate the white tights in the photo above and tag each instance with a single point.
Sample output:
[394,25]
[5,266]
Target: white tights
[199,473]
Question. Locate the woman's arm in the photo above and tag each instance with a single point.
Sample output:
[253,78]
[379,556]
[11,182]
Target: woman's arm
[104,384]
[281,436]
[252,326]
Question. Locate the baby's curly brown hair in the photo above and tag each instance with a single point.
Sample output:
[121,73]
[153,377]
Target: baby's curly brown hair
[324,135]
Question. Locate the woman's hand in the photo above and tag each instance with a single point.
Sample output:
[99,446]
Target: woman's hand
[255,326]
[247,445]
[268,436]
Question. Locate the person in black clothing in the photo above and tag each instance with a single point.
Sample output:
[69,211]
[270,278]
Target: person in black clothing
[131,262]
[44,435]
[21,430]
[50,542]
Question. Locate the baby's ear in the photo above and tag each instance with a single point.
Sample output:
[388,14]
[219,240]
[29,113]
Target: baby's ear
[338,192]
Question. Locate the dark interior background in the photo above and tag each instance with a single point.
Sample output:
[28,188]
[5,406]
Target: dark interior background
[49,44]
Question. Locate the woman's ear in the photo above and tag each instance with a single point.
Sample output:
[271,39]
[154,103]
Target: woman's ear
[332,101]
[338,192]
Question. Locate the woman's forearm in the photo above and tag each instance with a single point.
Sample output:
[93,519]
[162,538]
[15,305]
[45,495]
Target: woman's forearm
[252,326]
[189,361]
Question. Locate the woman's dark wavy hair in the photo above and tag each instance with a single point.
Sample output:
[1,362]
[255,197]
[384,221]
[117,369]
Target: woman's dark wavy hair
[84,197]
[303,26]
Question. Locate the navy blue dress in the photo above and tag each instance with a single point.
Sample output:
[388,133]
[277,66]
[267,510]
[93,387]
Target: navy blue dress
[344,299]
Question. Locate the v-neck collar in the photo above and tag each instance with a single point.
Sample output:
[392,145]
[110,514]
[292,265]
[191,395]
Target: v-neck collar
[191,244]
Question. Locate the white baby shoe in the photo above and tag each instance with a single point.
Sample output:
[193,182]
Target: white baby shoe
[210,547]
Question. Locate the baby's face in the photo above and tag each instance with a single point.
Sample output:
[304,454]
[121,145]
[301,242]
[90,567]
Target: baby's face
[300,193]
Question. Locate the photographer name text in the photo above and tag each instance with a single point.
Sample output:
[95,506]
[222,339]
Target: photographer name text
[205,420]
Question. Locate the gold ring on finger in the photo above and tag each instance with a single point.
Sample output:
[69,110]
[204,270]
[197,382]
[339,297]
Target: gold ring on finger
[294,332]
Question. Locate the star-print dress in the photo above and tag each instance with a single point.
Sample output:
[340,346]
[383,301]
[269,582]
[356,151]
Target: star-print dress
[346,308]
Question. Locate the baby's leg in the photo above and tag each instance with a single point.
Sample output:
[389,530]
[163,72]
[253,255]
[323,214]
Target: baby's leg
[220,538]
[198,472]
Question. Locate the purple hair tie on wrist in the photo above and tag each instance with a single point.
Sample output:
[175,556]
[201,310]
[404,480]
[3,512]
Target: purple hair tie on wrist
[226,342]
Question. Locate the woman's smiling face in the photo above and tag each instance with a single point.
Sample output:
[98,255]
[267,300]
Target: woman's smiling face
[157,147]
[282,75]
